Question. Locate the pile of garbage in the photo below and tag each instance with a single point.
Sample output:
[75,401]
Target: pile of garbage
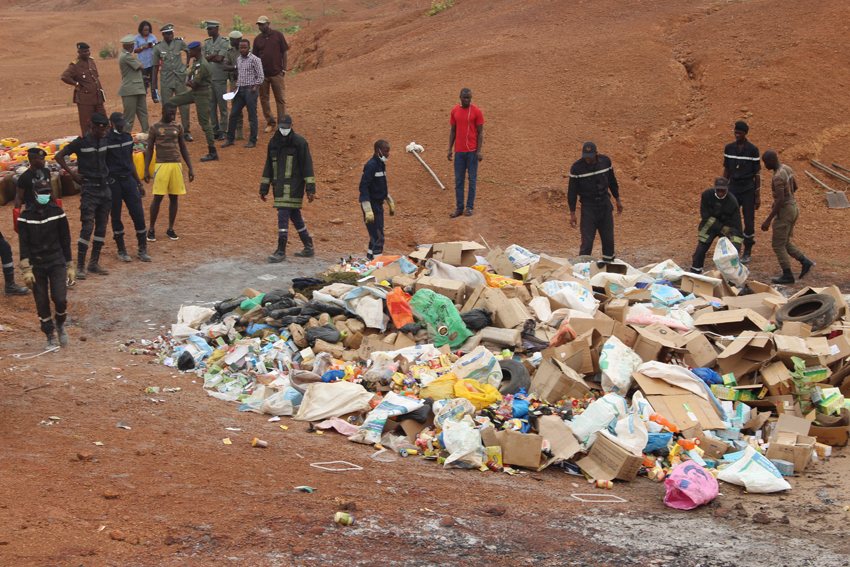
[516,361]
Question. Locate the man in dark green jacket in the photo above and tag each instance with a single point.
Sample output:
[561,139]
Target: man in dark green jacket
[721,216]
[289,172]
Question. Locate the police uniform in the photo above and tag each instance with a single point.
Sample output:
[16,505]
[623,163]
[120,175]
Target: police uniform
[230,59]
[168,58]
[719,217]
[590,184]
[132,90]
[218,106]
[8,262]
[201,75]
[125,189]
[373,190]
[88,93]
[744,163]
[289,173]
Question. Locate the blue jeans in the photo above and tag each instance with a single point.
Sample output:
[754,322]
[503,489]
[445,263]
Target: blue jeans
[465,161]
[243,99]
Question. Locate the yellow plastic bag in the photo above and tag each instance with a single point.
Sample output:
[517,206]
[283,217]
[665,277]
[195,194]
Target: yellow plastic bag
[495,280]
[481,395]
[443,388]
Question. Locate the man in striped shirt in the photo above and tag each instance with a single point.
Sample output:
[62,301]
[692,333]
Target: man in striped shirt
[591,179]
[741,166]
[249,77]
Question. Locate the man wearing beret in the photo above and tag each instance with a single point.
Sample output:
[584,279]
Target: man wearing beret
[230,61]
[741,166]
[214,51]
[132,90]
[88,93]
[24,195]
[199,80]
[168,59]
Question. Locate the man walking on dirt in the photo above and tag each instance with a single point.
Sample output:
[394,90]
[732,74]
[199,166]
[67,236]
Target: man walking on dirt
[591,179]
[168,59]
[289,172]
[88,93]
[271,47]
[721,216]
[467,137]
[199,80]
[785,212]
[373,193]
[741,167]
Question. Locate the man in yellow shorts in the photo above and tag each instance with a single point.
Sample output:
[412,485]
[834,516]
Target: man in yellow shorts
[166,137]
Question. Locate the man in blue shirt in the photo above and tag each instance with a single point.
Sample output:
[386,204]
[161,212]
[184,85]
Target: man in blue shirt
[373,193]
[126,187]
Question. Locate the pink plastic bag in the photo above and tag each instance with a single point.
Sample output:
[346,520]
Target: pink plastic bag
[689,486]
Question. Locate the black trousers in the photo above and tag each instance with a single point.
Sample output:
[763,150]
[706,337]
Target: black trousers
[746,196]
[124,191]
[376,229]
[50,283]
[6,256]
[597,218]
[94,217]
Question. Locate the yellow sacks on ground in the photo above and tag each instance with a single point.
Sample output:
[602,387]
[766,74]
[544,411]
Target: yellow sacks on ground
[495,280]
[481,395]
[443,388]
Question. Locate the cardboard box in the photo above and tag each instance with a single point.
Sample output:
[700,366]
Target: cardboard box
[562,443]
[546,266]
[656,341]
[552,381]
[714,448]
[813,350]
[681,406]
[832,430]
[790,441]
[404,281]
[460,254]
[522,450]
[746,353]
[839,349]
[370,345]
[500,263]
[777,379]
[606,327]
[507,313]
[755,302]
[607,460]
[732,322]
[692,284]
[387,273]
[412,427]
[618,309]
[456,291]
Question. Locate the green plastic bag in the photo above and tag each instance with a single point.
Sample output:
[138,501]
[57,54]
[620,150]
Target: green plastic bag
[439,315]
[249,304]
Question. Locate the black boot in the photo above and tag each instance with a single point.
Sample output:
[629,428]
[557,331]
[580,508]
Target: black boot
[212,156]
[51,340]
[94,267]
[807,266]
[122,250]
[81,263]
[786,278]
[747,255]
[11,288]
[142,254]
[279,254]
[308,251]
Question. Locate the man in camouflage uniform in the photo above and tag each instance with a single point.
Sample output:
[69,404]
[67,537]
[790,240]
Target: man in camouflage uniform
[230,67]
[168,58]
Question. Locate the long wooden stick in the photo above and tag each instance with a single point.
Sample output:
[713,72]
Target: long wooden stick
[434,175]
[832,172]
[841,168]
[820,182]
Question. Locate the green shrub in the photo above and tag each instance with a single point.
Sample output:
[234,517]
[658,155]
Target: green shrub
[441,6]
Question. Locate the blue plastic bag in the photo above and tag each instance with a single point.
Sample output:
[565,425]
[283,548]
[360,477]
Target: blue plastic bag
[657,441]
[708,376]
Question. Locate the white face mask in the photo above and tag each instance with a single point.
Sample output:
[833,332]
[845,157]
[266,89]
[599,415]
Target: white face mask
[285,131]
[382,157]
[719,197]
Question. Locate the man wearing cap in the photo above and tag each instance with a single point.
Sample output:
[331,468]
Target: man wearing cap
[126,188]
[741,167]
[250,77]
[132,90]
[591,179]
[199,80]
[721,216]
[466,136]
[373,193]
[289,171]
[214,51]
[88,93]
[95,196]
[24,196]
[271,47]
[232,70]
[168,58]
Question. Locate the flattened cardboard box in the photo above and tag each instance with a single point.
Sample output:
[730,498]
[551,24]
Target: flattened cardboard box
[746,353]
[832,430]
[754,302]
[606,326]
[813,350]
[563,444]
[790,441]
[500,263]
[387,272]
[459,254]
[714,448]
[732,322]
[552,382]
[777,378]
[607,460]
[657,339]
[680,406]
[454,290]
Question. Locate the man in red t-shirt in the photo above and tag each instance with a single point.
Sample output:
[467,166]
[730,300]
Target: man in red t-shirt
[467,137]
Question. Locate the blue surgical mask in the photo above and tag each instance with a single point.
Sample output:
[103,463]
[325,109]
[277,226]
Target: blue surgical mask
[42,199]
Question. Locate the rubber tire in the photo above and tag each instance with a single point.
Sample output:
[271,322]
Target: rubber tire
[818,310]
[514,377]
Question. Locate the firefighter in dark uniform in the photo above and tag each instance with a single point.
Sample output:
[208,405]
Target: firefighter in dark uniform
[11,288]
[289,172]
[95,195]
[88,92]
[721,216]
[741,166]
[46,263]
[126,188]
[591,179]
[373,193]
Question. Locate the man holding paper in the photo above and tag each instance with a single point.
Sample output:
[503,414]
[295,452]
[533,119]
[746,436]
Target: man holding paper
[249,77]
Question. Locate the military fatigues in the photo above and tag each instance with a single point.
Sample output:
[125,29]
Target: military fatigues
[743,165]
[230,59]
[201,74]
[720,217]
[218,106]
[289,172]
[786,218]
[373,188]
[45,240]
[124,187]
[590,184]
[132,91]
[95,196]
[168,57]
[89,98]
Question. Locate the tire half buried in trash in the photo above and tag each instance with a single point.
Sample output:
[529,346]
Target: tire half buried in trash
[817,310]
[514,377]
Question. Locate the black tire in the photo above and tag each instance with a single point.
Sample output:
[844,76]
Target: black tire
[514,377]
[817,310]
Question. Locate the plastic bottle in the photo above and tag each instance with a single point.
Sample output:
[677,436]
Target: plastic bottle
[661,420]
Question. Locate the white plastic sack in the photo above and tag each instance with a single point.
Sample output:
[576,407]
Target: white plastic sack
[664,295]
[754,472]
[194,316]
[370,308]
[392,405]
[480,365]
[666,270]
[674,375]
[451,410]
[284,402]
[727,261]
[617,362]
[519,256]
[181,331]
[682,316]
[463,442]
[448,272]
[630,433]
[598,416]
[572,294]
[323,400]
[622,280]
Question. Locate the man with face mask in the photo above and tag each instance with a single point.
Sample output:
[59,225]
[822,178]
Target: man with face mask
[721,216]
[373,193]
[289,173]
[46,263]
[24,195]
